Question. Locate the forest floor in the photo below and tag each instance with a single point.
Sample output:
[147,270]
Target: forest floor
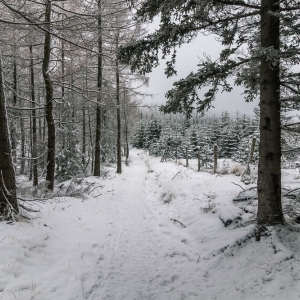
[153,232]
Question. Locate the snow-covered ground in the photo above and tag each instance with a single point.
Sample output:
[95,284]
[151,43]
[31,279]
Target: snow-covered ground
[153,232]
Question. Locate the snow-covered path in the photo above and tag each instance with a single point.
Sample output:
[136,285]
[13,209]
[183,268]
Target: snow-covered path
[153,232]
[141,264]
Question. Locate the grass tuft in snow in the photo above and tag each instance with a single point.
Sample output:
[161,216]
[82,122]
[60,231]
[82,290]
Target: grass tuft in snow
[167,196]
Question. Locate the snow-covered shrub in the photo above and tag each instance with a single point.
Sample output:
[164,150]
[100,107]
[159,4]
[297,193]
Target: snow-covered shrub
[237,169]
[208,206]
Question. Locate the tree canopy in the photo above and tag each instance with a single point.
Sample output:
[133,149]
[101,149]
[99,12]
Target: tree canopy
[236,25]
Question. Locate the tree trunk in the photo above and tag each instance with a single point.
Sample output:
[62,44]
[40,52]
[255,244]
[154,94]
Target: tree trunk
[99,95]
[84,121]
[119,158]
[34,127]
[199,160]
[83,134]
[13,133]
[62,120]
[22,165]
[8,196]
[40,119]
[91,140]
[49,98]
[71,137]
[29,154]
[252,150]
[269,168]
[126,148]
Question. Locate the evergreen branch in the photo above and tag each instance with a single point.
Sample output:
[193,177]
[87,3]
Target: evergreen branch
[184,93]
[142,55]
[237,3]
[290,88]
[290,8]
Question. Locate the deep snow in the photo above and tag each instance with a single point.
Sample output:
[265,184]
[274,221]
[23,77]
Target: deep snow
[149,235]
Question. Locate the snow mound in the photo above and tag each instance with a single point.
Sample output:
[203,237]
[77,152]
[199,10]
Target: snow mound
[229,214]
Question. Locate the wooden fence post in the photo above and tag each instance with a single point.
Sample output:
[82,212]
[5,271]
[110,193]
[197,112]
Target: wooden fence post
[199,159]
[215,158]
[186,157]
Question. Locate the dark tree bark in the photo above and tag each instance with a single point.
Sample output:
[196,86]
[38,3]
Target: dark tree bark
[198,157]
[34,127]
[8,197]
[215,158]
[63,93]
[71,97]
[83,133]
[13,133]
[91,139]
[269,168]
[126,129]
[49,99]
[119,158]
[99,96]
[30,151]
[40,119]
[252,150]
[84,120]
[23,150]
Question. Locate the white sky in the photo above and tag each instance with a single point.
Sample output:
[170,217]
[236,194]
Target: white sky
[187,60]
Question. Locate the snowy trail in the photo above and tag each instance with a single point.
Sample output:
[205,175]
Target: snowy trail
[120,242]
[139,266]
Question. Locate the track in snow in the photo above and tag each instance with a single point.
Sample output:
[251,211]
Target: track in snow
[139,264]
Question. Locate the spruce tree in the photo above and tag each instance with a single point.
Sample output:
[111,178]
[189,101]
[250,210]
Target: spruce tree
[258,39]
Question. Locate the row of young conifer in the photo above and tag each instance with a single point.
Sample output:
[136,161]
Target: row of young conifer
[177,137]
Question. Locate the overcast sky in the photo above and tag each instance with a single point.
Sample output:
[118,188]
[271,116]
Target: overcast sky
[187,60]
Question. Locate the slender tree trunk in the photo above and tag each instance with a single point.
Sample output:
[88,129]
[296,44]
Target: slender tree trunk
[252,150]
[49,98]
[91,139]
[99,95]
[63,93]
[72,140]
[30,151]
[13,133]
[34,127]
[62,118]
[23,154]
[44,129]
[126,129]
[84,121]
[119,158]
[269,168]
[83,134]
[40,119]
[199,160]
[8,197]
